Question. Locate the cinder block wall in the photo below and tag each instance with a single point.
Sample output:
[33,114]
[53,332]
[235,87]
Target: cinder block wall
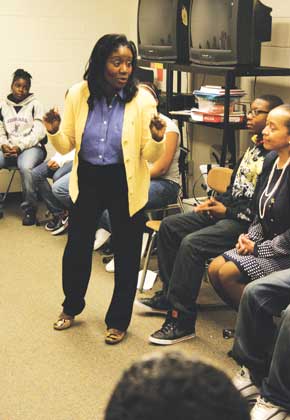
[53,40]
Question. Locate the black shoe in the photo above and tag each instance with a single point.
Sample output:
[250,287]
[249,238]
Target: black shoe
[61,226]
[156,304]
[174,330]
[53,223]
[29,218]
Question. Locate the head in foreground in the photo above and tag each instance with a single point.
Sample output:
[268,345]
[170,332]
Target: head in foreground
[170,386]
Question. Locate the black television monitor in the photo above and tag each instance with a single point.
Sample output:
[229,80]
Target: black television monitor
[163,30]
[228,32]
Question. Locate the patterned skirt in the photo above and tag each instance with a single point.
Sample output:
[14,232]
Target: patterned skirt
[256,267]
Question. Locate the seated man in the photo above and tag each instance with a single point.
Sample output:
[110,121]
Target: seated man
[263,348]
[171,386]
[56,197]
[186,241]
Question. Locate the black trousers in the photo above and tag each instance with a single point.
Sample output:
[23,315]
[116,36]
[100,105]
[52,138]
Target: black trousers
[102,187]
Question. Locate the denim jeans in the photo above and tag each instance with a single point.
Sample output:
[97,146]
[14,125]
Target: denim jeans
[185,242]
[26,161]
[56,197]
[261,345]
[161,193]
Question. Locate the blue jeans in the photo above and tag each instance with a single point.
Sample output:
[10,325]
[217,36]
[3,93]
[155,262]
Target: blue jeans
[260,345]
[56,197]
[161,193]
[26,161]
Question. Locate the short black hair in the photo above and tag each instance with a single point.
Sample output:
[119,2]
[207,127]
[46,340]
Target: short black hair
[170,386]
[273,100]
[94,73]
[22,74]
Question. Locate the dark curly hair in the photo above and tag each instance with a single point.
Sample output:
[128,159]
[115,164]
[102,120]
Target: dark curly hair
[22,74]
[94,73]
[171,386]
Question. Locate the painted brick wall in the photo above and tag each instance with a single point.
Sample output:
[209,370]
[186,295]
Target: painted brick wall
[53,40]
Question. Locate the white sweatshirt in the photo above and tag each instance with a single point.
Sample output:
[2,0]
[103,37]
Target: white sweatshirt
[23,128]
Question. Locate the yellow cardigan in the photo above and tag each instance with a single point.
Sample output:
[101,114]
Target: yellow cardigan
[137,143]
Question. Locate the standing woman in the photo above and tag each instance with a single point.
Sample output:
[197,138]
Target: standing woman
[266,247]
[21,132]
[114,129]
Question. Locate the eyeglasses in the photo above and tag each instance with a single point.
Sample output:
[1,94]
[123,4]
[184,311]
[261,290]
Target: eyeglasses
[256,112]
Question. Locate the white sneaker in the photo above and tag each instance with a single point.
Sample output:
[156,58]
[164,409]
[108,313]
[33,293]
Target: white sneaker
[110,267]
[245,385]
[264,410]
[102,235]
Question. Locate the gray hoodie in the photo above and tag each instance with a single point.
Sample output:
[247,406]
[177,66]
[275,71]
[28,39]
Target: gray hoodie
[21,123]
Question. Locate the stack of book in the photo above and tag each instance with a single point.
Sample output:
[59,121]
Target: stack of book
[211,104]
[213,117]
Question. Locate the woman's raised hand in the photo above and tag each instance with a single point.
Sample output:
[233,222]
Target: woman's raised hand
[157,128]
[52,120]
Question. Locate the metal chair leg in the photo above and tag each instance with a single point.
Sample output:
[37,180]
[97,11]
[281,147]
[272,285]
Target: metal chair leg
[147,259]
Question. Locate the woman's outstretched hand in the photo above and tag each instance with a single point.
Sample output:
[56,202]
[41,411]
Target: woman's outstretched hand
[157,128]
[51,120]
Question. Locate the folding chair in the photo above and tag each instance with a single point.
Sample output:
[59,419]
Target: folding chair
[12,170]
[153,227]
[218,179]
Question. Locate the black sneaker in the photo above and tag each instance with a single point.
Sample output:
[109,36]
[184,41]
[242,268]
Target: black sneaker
[174,330]
[156,304]
[53,223]
[29,218]
[61,227]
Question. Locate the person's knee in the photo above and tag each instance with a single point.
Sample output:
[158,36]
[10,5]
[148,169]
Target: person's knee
[214,267]
[225,274]
[56,190]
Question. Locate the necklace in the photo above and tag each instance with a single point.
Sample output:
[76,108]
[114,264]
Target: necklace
[267,192]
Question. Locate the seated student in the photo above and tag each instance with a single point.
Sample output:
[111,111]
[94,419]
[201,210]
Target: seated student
[21,132]
[266,246]
[164,173]
[186,241]
[171,386]
[56,197]
[262,347]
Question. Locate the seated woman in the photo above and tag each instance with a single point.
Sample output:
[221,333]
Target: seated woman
[164,173]
[21,132]
[266,246]
[55,196]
